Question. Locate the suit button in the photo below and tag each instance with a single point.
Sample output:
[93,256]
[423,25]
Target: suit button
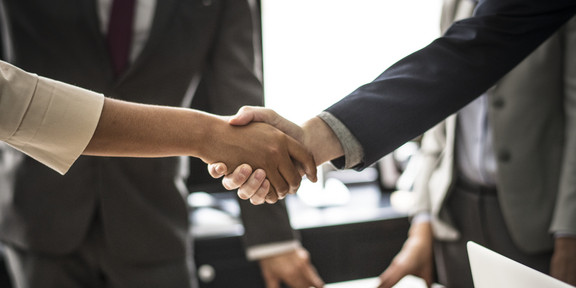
[498,103]
[206,2]
[504,156]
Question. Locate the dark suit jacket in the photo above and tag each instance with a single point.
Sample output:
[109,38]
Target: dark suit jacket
[139,201]
[533,125]
[429,85]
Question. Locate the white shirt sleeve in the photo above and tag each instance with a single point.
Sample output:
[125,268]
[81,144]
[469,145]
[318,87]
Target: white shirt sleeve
[262,251]
[48,120]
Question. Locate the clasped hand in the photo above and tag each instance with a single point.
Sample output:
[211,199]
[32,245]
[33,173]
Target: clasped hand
[283,159]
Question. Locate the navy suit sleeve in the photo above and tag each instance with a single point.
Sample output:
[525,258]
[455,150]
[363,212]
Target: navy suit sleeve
[429,85]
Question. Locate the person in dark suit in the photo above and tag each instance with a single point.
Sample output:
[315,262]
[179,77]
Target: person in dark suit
[120,222]
[499,172]
[425,87]
[421,90]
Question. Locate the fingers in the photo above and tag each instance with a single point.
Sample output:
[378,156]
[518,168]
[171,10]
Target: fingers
[277,180]
[304,159]
[291,172]
[292,268]
[314,278]
[217,170]
[310,272]
[271,198]
[238,177]
[284,162]
[259,197]
[250,187]
[390,277]
[290,177]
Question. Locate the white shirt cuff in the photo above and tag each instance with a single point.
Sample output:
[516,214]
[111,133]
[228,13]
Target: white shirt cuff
[421,217]
[272,249]
[59,124]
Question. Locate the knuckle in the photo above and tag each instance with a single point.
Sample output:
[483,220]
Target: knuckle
[282,188]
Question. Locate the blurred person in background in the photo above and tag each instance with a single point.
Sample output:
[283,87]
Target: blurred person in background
[501,172]
[119,222]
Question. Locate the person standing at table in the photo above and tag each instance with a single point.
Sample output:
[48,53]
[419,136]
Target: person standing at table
[123,222]
[505,158]
[427,86]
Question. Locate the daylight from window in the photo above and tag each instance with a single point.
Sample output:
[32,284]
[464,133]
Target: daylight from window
[318,51]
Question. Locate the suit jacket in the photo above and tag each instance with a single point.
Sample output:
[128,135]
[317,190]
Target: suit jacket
[427,86]
[534,142]
[138,201]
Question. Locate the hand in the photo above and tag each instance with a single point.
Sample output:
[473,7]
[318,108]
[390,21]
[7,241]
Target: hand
[563,262]
[256,187]
[292,268]
[415,258]
[261,146]
[314,134]
[253,186]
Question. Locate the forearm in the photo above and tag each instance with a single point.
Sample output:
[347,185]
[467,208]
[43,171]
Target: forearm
[138,130]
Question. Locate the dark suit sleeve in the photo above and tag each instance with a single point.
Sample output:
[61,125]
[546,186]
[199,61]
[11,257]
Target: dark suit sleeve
[429,85]
[235,80]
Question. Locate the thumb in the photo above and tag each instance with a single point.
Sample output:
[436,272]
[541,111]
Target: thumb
[244,116]
[217,170]
[249,114]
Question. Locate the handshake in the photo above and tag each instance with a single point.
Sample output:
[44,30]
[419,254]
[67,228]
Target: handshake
[256,150]
[265,156]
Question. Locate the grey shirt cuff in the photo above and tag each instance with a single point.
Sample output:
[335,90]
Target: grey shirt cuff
[353,151]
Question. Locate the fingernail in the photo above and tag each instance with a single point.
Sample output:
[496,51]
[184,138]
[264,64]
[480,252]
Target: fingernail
[242,195]
[270,201]
[254,202]
[244,171]
[219,168]
[259,175]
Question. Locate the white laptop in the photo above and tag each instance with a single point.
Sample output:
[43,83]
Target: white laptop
[406,282]
[492,270]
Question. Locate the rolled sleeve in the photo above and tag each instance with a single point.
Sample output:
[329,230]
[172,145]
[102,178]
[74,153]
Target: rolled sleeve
[50,121]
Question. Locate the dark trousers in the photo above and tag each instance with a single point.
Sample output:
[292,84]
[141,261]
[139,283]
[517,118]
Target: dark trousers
[476,214]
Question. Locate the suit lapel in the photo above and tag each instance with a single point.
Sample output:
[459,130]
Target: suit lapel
[162,15]
[89,10]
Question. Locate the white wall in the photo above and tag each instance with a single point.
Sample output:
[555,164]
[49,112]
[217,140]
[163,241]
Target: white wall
[318,51]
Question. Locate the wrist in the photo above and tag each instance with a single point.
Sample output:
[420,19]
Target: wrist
[321,141]
[206,135]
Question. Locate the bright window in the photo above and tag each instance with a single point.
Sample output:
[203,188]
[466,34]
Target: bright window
[318,51]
